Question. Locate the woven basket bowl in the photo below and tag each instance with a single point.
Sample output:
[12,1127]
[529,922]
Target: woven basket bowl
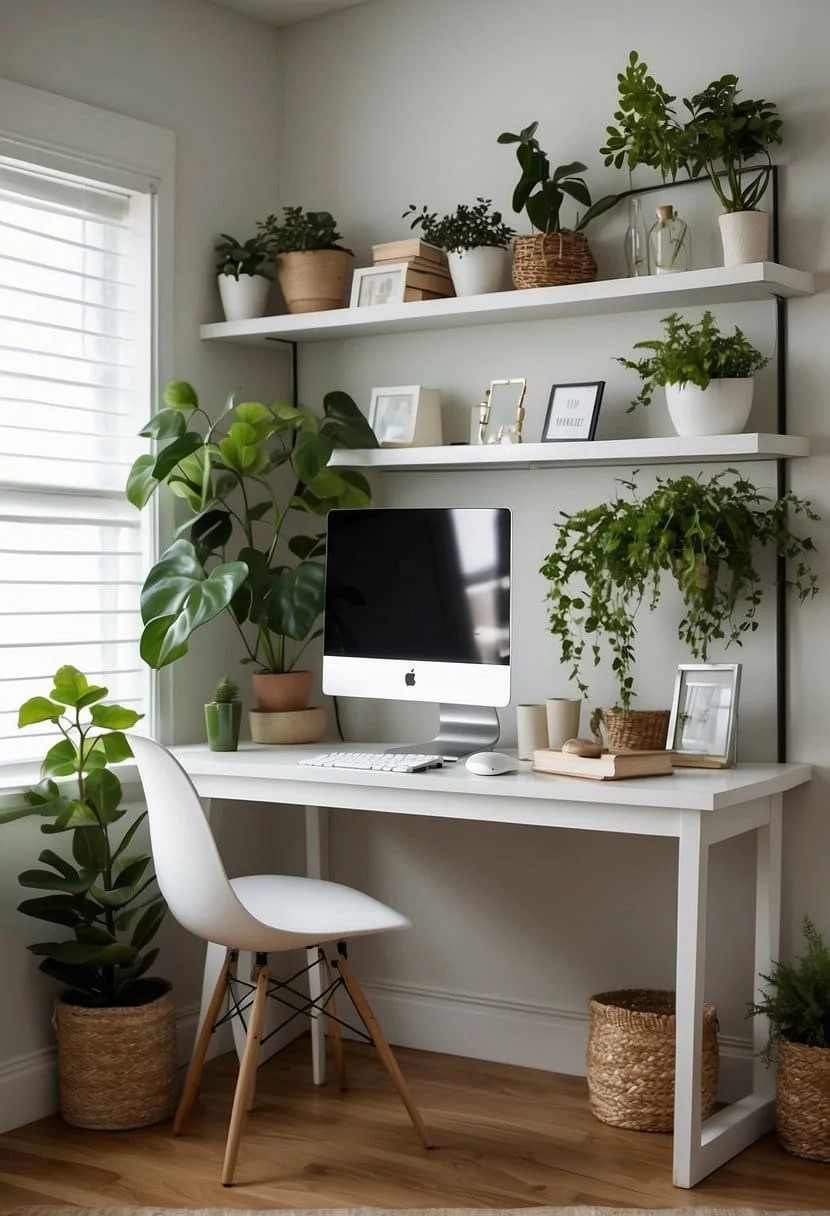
[803,1104]
[117,1066]
[552,260]
[642,729]
[631,1059]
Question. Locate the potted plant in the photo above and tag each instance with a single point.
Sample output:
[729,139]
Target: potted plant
[474,239]
[609,561]
[223,717]
[243,284]
[237,551]
[558,254]
[312,267]
[103,909]
[707,375]
[796,1005]
[724,137]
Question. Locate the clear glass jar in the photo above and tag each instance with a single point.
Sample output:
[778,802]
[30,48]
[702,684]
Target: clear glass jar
[669,243]
[635,241]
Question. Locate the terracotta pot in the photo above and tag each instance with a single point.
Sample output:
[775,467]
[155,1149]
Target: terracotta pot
[277,693]
[293,726]
[313,280]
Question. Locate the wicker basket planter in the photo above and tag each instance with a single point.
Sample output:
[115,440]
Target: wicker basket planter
[643,729]
[117,1065]
[803,1104]
[552,260]
[631,1059]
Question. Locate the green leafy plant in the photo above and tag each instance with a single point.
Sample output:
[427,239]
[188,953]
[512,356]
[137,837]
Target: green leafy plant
[237,554]
[797,1000]
[692,352]
[106,895]
[226,691]
[235,258]
[722,136]
[609,560]
[468,227]
[541,193]
[299,231]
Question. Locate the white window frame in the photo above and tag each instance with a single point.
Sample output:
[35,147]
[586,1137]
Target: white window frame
[54,132]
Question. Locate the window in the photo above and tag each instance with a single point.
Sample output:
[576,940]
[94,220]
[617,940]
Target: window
[76,358]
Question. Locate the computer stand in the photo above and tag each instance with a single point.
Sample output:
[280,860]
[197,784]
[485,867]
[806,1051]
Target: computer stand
[462,729]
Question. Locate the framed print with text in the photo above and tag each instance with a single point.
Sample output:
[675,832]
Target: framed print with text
[573,410]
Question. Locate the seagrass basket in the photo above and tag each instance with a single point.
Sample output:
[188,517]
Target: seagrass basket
[117,1065]
[631,1059]
[803,1102]
[641,729]
[552,259]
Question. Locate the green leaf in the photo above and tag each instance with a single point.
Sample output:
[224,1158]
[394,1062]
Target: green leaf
[70,685]
[45,880]
[149,923]
[243,450]
[114,717]
[345,423]
[175,452]
[74,815]
[128,835]
[141,481]
[113,899]
[93,693]
[56,909]
[75,953]
[213,529]
[115,746]
[180,395]
[61,760]
[103,790]
[89,849]
[49,858]
[38,709]
[133,873]
[165,425]
[77,979]
[311,455]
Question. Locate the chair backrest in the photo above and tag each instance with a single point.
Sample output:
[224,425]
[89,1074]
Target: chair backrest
[188,867]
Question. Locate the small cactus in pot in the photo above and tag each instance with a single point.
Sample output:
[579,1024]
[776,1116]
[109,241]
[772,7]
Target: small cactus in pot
[223,716]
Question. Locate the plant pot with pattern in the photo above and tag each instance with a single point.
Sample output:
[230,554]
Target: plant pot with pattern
[312,267]
[115,1025]
[554,255]
[475,240]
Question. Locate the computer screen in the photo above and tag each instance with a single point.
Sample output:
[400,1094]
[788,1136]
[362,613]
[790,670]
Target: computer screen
[417,604]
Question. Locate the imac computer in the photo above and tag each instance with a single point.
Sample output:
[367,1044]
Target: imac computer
[417,608]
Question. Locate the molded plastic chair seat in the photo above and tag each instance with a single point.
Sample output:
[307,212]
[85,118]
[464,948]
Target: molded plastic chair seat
[310,910]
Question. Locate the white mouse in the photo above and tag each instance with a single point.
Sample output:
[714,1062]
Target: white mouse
[490,764]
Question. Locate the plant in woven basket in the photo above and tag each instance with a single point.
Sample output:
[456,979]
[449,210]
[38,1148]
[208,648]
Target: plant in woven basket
[609,560]
[476,226]
[106,894]
[796,1002]
[541,193]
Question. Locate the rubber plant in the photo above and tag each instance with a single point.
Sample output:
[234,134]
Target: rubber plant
[236,552]
[610,560]
[541,193]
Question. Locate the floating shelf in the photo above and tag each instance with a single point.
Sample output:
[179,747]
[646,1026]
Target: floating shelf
[671,449]
[716,285]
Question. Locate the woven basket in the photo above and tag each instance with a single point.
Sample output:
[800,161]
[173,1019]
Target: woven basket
[631,1059]
[117,1066]
[552,259]
[803,1105]
[641,729]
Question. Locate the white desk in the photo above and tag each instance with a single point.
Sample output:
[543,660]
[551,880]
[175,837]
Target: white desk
[695,807]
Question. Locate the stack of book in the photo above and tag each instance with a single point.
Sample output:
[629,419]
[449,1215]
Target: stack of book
[427,273]
[610,766]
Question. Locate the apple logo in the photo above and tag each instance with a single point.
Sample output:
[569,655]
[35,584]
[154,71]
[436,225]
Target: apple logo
[409,678]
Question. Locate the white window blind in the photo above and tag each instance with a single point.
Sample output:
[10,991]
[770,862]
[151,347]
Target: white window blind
[75,375]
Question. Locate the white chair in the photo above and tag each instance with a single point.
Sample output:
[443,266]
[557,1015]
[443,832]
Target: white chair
[262,913]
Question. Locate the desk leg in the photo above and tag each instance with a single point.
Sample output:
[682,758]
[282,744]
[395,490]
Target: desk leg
[692,867]
[767,936]
[317,866]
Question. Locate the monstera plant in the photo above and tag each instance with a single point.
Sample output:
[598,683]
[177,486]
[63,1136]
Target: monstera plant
[237,550]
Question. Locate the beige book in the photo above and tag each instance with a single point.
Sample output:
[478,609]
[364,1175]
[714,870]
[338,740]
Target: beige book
[610,766]
[429,282]
[410,247]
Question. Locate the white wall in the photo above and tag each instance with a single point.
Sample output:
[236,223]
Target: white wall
[522,925]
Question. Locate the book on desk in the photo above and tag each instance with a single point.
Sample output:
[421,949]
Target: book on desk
[610,766]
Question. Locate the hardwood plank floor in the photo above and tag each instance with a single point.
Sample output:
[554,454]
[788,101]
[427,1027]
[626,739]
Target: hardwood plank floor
[505,1137]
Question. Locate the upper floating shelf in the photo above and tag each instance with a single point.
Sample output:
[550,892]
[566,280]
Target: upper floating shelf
[716,285]
[669,449]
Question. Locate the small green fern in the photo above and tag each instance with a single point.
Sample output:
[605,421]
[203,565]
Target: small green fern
[226,691]
[797,1001]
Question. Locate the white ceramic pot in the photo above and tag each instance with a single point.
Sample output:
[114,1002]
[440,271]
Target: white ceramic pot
[744,236]
[476,271]
[720,409]
[243,298]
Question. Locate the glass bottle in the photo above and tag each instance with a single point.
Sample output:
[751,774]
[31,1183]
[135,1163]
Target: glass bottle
[635,241]
[669,243]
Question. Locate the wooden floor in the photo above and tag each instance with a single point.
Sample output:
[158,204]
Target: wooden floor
[505,1137]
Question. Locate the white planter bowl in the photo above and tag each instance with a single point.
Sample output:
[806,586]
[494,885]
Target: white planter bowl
[721,409]
[744,236]
[243,298]
[476,271]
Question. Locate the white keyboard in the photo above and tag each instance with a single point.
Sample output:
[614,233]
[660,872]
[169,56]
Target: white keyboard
[376,762]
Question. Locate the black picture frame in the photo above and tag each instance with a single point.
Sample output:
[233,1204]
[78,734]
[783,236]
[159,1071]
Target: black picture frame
[585,417]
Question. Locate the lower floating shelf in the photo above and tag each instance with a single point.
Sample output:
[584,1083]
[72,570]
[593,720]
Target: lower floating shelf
[671,449]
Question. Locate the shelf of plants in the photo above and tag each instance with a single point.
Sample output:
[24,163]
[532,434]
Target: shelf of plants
[715,285]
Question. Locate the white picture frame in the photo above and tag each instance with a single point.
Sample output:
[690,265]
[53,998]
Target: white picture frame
[704,715]
[374,285]
[406,415]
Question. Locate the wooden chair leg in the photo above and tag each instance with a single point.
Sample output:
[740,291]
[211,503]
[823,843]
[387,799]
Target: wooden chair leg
[383,1049]
[247,1075]
[197,1060]
[334,1028]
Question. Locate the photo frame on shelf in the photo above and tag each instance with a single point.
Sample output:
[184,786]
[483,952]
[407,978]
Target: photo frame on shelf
[406,416]
[502,412]
[703,726]
[573,410]
[372,285]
